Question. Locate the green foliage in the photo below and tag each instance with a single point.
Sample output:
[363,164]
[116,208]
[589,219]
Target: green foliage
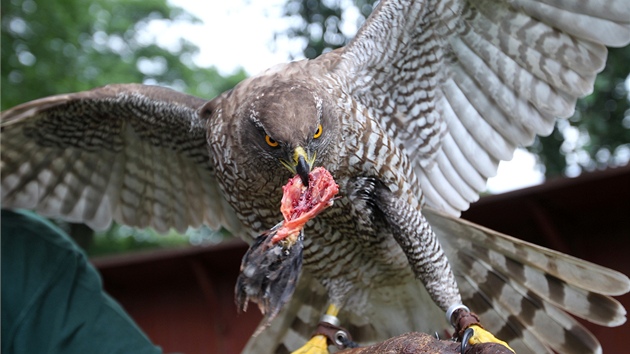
[321,25]
[121,239]
[602,119]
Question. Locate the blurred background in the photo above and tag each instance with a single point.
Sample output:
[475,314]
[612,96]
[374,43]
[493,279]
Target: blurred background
[205,47]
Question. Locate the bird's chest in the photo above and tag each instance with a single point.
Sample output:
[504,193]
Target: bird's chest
[349,247]
[256,199]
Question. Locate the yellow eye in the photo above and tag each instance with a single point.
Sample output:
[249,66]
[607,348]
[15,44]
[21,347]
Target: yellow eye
[270,141]
[319,131]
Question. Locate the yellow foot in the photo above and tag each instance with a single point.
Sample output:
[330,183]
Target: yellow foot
[317,345]
[483,336]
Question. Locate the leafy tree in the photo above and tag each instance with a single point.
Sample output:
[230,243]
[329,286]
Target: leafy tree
[598,135]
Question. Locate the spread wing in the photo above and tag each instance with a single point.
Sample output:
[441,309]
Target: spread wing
[462,83]
[132,153]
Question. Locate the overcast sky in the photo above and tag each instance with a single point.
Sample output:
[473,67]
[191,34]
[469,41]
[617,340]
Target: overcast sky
[239,33]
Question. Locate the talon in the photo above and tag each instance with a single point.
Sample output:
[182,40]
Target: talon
[468,334]
[483,336]
[316,345]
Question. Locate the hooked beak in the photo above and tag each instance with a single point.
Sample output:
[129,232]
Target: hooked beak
[303,169]
[301,164]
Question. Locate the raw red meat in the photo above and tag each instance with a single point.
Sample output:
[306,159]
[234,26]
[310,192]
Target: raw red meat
[300,204]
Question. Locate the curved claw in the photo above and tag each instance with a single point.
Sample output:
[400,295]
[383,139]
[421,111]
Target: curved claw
[468,333]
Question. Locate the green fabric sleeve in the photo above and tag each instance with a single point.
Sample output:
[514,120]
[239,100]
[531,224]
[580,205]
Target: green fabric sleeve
[52,297]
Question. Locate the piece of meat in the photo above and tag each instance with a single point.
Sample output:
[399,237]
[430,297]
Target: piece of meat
[300,204]
[271,267]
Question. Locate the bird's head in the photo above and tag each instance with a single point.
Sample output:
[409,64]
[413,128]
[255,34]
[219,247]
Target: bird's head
[287,122]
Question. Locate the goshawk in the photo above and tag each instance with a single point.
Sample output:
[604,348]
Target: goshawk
[411,118]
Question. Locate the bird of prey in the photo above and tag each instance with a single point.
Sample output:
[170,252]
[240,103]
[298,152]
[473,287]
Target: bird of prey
[411,118]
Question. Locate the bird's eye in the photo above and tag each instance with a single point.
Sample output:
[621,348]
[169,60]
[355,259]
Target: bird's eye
[319,131]
[270,141]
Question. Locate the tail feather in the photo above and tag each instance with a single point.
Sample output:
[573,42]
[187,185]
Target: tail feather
[571,270]
[555,328]
[523,290]
[594,307]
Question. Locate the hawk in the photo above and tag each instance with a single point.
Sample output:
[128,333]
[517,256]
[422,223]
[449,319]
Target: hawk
[411,118]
